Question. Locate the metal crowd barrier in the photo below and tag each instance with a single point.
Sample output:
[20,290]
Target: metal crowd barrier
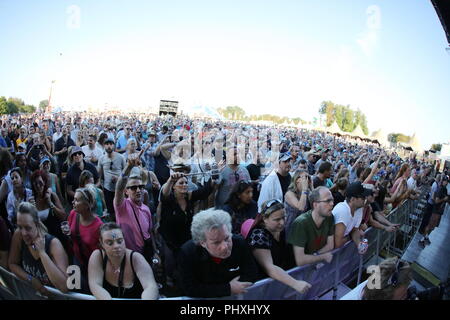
[323,276]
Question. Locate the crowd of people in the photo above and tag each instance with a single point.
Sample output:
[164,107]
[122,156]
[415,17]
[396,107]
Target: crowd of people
[144,211]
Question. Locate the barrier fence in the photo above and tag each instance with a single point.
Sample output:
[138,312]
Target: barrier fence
[323,276]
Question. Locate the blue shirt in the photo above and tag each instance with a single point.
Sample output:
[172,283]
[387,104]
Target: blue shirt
[122,141]
[3,143]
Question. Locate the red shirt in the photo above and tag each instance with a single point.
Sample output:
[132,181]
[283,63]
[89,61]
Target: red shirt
[89,234]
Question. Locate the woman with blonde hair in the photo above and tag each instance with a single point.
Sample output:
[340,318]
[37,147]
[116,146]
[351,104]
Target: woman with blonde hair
[400,187]
[343,173]
[84,227]
[296,198]
[87,180]
[36,256]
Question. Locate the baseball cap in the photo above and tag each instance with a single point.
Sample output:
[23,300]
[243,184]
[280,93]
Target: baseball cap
[75,150]
[284,156]
[44,160]
[152,133]
[357,190]
[109,140]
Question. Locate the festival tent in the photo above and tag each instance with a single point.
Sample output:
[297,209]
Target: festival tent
[381,137]
[415,144]
[334,128]
[358,132]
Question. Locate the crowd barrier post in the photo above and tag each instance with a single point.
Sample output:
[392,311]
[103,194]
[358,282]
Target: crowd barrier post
[336,275]
[378,247]
[360,269]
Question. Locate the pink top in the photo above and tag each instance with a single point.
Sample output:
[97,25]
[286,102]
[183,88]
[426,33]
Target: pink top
[89,236]
[126,218]
[396,184]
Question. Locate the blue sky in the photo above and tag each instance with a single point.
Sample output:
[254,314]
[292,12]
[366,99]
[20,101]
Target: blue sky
[282,57]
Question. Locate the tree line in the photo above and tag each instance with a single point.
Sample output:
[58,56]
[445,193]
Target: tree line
[346,118]
[237,113]
[15,105]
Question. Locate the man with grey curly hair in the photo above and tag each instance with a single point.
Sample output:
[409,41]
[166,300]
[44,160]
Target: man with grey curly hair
[215,263]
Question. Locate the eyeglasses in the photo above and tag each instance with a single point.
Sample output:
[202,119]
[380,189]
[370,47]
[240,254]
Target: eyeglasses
[134,188]
[328,200]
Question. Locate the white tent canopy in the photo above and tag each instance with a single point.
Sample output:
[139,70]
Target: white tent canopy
[381,137]
[358,132]
[334,128]
[415,144]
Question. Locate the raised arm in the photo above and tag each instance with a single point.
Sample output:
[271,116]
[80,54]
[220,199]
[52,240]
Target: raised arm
[357,161]
[373,171]
[122,182]
[299,204]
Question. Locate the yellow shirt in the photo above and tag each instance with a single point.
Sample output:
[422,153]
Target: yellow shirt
[19,141]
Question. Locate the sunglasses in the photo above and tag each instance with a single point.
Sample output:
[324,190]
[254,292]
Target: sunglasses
[77,154]
[111,166]
[272,206]
[134,188]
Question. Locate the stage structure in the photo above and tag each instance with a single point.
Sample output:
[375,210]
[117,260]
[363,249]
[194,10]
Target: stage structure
[168,107]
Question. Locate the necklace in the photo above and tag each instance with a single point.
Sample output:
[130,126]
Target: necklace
[115,270]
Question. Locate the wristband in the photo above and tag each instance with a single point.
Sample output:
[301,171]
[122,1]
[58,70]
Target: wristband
[124,176]
[305,192]
[29,278]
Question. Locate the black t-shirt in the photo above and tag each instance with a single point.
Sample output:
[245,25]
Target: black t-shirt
[317,182]
[285,182]
[5,236]
[281,251]
[254,171]
[73,175]
[338,197]
[375,206]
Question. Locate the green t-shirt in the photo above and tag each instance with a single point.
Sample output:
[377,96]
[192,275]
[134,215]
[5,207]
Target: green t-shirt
[305,234]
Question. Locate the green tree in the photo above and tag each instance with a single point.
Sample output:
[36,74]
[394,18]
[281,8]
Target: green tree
[399,137]
[3,105]
[348,124]
[339,115]
[436,146]
[12,107]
